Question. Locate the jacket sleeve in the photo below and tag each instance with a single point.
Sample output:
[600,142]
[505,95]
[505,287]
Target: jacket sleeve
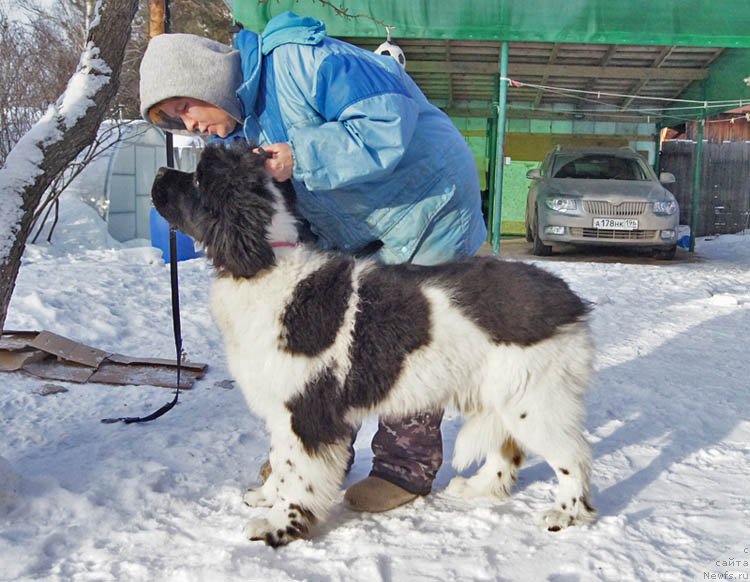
[368,121]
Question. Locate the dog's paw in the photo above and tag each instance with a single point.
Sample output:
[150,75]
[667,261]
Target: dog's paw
[476,487]
[576,512]
[257,498]
[555,520]
[283,525]
[458,487]
[261,530]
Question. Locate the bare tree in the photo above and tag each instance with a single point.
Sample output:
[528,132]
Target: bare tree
[55,140]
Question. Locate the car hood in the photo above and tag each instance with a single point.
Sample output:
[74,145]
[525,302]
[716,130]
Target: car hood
[608,189]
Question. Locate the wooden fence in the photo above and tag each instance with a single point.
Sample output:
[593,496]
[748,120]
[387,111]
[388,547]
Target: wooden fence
[725,192]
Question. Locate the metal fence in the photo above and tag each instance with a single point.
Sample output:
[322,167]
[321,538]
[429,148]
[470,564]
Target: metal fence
[725,190]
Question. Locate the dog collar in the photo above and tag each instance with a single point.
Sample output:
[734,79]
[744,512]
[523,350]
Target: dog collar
[278,244]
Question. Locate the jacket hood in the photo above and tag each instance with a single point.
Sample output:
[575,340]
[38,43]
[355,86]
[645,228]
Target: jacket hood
[285,28]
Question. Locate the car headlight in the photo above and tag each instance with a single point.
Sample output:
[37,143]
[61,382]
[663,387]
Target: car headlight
[665,207]
[561,204]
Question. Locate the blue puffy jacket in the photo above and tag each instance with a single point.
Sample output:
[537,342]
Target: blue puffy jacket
[374,160]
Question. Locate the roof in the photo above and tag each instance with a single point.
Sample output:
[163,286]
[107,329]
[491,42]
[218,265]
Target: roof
[628,58]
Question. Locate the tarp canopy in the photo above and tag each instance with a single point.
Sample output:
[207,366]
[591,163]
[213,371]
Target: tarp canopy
[720,23]
[587,47]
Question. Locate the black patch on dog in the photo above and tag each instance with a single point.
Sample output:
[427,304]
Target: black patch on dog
[393,320]
[515,303]
[318,413]
[317,309]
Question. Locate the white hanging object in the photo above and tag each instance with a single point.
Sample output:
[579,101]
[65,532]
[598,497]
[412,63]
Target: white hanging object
[391,49]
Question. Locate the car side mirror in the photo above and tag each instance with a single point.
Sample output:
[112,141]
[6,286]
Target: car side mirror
[667,178]
[534,174]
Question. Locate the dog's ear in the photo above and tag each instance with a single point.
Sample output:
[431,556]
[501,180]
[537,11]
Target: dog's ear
[232,185]
[238,244]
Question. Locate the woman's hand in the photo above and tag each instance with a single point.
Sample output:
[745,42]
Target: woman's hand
[280,164]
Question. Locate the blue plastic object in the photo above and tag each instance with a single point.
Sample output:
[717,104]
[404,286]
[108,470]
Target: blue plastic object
[683,236]
[160,239]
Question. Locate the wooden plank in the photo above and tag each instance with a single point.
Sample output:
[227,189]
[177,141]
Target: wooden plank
[128,360]
[12,361]
[143,374]
[52,369]
[68,349]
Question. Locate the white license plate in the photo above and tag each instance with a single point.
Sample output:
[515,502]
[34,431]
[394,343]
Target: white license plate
[616,223]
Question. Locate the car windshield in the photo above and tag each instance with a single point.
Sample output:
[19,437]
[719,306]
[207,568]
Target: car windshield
[598,167]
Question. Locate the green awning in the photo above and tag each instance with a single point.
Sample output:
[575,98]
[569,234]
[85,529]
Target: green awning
[719,23]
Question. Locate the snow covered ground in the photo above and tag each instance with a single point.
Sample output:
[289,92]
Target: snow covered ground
[668,418]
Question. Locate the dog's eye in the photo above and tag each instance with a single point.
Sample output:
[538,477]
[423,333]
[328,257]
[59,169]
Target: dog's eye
[196,181]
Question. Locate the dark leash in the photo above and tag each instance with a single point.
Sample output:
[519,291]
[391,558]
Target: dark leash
[177,338]
[176,327]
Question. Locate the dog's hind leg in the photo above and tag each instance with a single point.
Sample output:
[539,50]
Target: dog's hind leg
[552,427]
[484,436]
[303,485]
[496,476]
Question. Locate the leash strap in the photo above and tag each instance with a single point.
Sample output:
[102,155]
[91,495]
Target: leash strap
[177,338]
[176,327]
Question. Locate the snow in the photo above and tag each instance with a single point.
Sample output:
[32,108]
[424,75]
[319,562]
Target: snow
[81,500]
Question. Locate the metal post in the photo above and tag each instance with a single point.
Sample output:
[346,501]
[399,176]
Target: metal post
[697,173]
[491,151]
[500,150]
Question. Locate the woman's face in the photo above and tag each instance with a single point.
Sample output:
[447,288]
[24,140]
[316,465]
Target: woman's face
[199,116]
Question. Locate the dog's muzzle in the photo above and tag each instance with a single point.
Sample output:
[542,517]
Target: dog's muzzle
[167,183]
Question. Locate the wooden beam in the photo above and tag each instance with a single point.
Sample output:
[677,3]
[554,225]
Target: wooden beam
[550,61]
[478,110]
[589,72]
[658,62]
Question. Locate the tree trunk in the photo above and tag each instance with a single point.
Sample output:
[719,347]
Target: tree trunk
[69,125]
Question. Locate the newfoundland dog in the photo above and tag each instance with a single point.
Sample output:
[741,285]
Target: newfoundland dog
[319,340]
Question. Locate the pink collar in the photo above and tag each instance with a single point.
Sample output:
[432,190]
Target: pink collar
[277,244]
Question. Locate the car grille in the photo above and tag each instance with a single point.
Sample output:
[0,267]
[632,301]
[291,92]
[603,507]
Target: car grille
[608,234]
[605,208]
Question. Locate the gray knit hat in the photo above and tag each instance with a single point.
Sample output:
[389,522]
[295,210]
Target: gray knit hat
[186,65]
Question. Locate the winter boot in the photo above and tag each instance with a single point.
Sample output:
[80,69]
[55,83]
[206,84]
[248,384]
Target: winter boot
[375,495]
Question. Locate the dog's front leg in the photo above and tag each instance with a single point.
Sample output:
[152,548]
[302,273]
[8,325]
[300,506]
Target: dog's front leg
[304,484]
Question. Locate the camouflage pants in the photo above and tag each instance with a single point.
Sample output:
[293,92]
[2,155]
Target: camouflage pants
[408,452]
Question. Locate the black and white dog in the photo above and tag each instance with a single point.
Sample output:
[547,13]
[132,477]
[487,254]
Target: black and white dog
[317,341]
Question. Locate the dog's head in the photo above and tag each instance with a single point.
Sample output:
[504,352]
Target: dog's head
[227,205]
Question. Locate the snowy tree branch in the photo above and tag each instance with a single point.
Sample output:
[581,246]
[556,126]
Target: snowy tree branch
[68,126]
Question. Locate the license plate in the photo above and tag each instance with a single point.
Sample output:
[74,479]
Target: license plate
[616,223]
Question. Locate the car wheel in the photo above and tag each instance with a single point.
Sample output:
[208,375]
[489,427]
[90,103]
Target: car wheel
[666,255]
[529,234]
[540,249]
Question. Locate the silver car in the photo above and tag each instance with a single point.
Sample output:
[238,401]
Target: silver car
[600,196]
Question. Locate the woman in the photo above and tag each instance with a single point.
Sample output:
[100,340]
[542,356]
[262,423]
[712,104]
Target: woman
[374,166]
